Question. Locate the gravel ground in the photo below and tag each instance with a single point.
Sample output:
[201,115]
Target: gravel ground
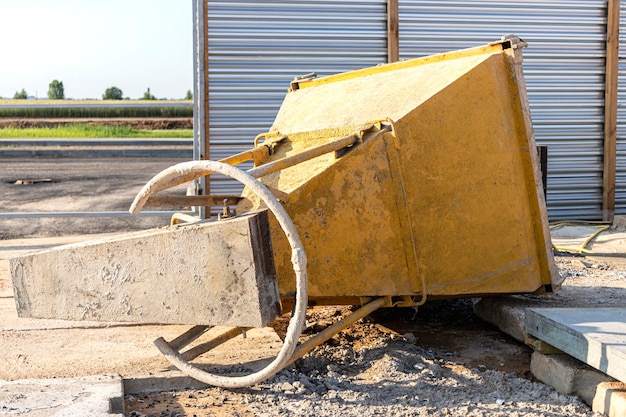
[391,378]
[372,370]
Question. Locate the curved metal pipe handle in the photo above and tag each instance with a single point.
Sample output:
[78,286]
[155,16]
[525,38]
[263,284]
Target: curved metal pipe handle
[195,169]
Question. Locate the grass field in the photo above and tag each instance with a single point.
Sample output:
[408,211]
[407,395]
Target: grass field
[86,131]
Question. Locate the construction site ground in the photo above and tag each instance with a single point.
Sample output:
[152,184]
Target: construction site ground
[439,359]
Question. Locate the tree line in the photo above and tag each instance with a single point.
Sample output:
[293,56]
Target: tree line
[56,91]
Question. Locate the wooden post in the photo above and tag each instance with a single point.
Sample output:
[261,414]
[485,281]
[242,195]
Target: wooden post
[610,110]
[393,39]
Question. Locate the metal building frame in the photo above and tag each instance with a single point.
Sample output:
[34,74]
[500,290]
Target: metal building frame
[202,63]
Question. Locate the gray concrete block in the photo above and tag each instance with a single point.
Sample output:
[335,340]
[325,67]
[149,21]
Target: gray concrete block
[610,399]
[98,396]
[567,375]
[208,273]
[507,314]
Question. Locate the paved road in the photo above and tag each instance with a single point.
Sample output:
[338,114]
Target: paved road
[39,142]
[94,184]
[104,183]
[96,148]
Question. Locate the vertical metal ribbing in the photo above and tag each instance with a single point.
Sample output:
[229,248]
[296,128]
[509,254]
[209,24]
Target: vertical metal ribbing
[564,67]
[257,47]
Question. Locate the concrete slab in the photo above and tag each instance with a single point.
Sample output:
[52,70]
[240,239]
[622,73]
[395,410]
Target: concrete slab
[208,273]
[509,313]
[97,396]
[595,336]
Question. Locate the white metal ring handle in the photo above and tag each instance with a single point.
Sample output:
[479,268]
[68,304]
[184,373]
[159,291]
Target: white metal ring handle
[197,169]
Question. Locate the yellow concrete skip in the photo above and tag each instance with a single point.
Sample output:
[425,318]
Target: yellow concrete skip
[407,181]
[440,197]
[404,182]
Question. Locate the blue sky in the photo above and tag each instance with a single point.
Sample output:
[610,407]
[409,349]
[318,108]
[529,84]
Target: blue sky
[91,45]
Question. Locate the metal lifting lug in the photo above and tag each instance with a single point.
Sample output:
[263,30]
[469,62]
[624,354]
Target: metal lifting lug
[295,84]
[511,42]
[227,212]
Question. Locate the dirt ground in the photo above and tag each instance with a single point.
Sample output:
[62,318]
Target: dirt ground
[439,359]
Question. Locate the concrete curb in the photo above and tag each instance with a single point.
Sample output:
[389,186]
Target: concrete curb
[174,381]
[98,396]
[126,152]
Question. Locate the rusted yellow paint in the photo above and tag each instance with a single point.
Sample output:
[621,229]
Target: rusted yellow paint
[448,204]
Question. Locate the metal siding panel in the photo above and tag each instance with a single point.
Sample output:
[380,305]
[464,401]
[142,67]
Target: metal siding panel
[620,178]
[564,71]
[257,47]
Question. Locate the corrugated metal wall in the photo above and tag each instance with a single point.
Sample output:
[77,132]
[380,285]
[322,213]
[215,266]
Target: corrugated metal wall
[564,69]
[257,47]
[620,181]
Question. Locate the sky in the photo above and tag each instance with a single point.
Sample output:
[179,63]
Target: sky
[91,45]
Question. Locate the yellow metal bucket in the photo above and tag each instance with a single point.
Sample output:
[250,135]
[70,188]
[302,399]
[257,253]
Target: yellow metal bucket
[439,195]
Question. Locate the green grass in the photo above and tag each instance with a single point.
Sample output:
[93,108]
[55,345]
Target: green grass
[88,131]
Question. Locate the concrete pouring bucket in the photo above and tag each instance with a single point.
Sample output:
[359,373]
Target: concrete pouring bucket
[386,186]
[439,194]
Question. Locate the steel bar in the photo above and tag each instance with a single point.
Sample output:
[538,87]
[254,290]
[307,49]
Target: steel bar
[191,200]
[188,337]
[247,155]
[206,346]
[332,330]
[303,156]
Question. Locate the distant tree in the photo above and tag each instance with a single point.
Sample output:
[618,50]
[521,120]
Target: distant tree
[20,95]
[148,96]
[189,95]
[112,93]
[55,90]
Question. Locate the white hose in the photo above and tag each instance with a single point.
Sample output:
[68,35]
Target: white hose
[195,169]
